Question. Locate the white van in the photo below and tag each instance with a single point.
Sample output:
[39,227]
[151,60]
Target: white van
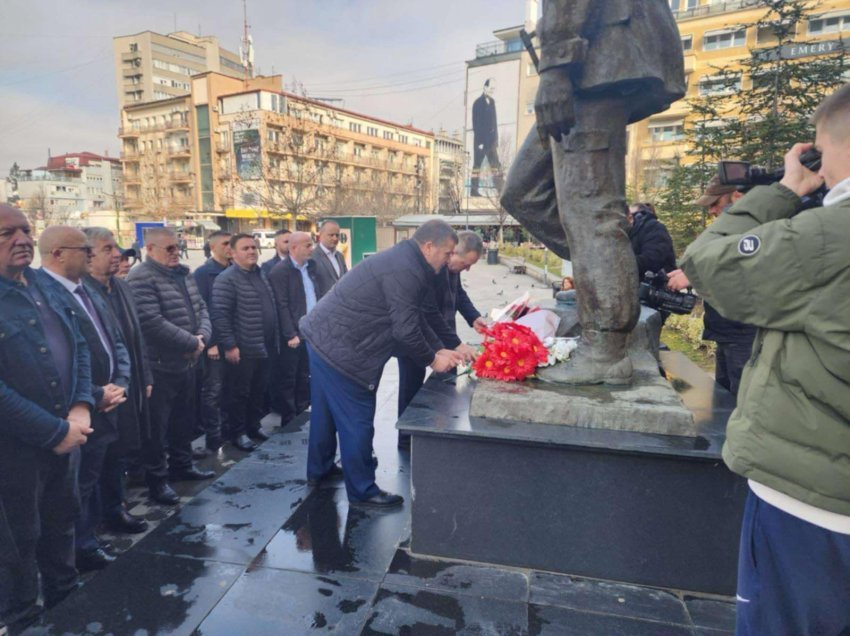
[264,238]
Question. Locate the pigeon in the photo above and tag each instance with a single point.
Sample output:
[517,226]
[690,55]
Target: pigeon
[494,281]
[501,293]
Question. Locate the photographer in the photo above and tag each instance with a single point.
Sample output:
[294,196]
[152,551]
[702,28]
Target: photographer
[790,434]
[734,339]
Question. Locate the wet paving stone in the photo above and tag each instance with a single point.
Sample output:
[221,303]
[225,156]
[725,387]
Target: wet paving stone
[548,620]
[326,535]
[605,597]
[459,578]
[403,610]
[142,594]
[277,602]
[711,613]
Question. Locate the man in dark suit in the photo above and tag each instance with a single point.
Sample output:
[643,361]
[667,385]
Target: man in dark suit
[296,290]
[45,401]
[65,253]
[330,264]
[281,250]
[133,414]
[485,138]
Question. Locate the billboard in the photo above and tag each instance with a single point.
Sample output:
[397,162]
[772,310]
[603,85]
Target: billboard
[246,147]
[491,126]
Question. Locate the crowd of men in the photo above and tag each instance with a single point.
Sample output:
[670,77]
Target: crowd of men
[102,375]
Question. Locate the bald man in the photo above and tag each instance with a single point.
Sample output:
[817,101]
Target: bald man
[297,290]
[46,402]
[65,255]
[330,264]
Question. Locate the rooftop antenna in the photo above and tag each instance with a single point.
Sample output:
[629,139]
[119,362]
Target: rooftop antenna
[246,49]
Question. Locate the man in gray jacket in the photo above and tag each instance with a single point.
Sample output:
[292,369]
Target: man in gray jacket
[176,327]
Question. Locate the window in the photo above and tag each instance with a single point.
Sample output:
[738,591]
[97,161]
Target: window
[829,24]
[530,71]
[388,134]
[687,42]
[134,48]
[715,85]
[529,107]
[372,131]
[663,131]
[683,5]
[724,39]
[355,127]
[402,138]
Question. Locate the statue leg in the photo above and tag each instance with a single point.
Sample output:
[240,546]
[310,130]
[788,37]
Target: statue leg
[589,168]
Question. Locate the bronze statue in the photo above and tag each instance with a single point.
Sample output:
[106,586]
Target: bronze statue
[603,64]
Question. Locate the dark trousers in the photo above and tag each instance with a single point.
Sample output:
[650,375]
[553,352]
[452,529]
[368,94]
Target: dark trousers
[293,382]
[213,418]
[92,457]
[247,383]
[172,417]
[792,575]
[339,404]
[411,377]
[39,499]
[730,360]
[111,484]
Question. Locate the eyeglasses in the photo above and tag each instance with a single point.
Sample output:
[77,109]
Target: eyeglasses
[171,249]
[87,248]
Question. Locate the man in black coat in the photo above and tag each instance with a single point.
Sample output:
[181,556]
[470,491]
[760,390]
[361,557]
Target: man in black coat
[296,291]
[176,327]
[651,242]
[330,264]
[133,420]
[485,138]
[212,416]
[281,251]
[244,316]
[447,297]
[372,313]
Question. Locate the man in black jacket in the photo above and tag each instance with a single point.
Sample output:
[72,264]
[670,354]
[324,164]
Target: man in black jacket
[281,250]
[212,384]
[651,242]
[447,297]
[372,313]
[330,264]
[296,291]
[65,253]
[176,327]
[133,414]
[245,320]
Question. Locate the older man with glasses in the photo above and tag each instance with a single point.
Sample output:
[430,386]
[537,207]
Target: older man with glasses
[176,327]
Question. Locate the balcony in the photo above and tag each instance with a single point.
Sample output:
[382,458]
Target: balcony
[714,8]
[178,151]
[130,155]
[131,56]
[128,131]
[222,147]
[180,176]
[497,47]
[132,179]
[132,203]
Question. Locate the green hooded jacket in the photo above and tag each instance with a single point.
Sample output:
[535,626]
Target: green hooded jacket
[790,277]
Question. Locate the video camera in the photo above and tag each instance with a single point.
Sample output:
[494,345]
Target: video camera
[653,293]
[744,174]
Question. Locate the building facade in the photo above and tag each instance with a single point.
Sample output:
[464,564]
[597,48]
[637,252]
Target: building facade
[150,66]
[448,173]
[715,35]
[249,155]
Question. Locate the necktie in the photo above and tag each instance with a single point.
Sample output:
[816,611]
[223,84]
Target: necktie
[98,325]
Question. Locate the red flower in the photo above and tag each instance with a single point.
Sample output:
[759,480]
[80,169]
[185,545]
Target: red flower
[511,353]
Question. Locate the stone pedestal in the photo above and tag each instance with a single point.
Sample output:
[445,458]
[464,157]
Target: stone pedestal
[630,506]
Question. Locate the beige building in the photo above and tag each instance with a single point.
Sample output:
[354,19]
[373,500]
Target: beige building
[714,34]
[250,155]
[447,173]
[150,66]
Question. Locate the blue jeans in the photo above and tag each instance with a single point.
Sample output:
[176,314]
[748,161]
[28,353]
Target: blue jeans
[341,405]
[792,575]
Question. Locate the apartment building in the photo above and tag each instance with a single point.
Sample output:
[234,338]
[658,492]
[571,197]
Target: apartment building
[715,35]
[447,173]
[248,154]
[150,66]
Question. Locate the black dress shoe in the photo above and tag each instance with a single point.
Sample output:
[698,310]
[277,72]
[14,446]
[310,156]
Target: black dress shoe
[258,436]
[200,453]
[382,500]
[163,493]
[243,443]
[190,474]
[94,560]
[126,523]
[334,474]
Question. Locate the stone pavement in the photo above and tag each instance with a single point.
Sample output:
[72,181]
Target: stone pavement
[257,552]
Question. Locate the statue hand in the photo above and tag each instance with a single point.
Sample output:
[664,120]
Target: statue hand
[554,104]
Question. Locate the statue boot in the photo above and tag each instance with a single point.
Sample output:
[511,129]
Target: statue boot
[601,357]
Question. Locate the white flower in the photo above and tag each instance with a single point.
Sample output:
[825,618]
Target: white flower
[559,349]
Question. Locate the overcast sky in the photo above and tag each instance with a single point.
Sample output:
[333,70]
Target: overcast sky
[401,60]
